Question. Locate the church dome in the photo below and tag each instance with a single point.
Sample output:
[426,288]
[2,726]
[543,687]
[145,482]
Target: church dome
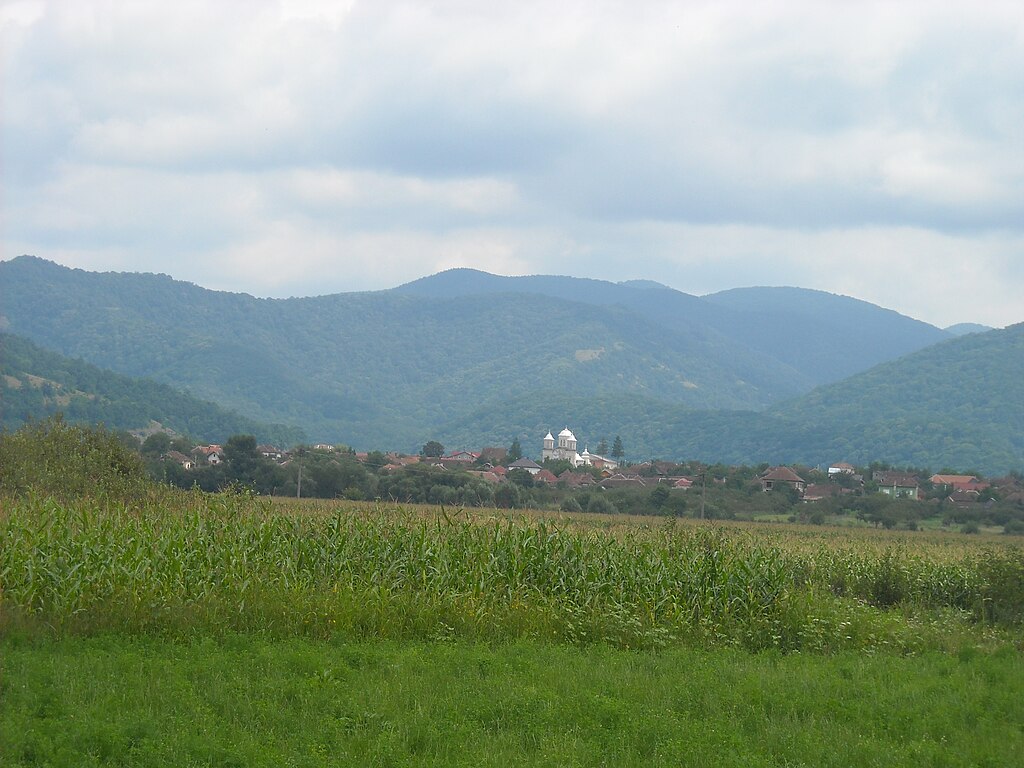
[567,433]
[548,436]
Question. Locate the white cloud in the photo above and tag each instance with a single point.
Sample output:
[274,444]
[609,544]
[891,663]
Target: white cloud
[378,141]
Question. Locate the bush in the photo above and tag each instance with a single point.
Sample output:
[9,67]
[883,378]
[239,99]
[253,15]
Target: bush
[53,458]
[571,505]
[1002,574]
[599,505]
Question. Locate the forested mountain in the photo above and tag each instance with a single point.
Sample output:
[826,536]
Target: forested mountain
[36,383]
[821,336]
[384,368]
[958,404]
[474,359]
[964,328]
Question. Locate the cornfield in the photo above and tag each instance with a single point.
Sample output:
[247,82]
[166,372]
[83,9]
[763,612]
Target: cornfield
[182,562]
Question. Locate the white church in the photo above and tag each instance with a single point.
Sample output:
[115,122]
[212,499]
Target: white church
[566,449]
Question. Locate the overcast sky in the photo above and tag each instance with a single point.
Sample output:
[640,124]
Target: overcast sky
[301,147]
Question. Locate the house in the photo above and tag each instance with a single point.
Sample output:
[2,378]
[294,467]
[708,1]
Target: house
[680,483]
[964,498]
[576,479]
[323,447]
[958,482]
[622,481]
[841,468]
[186,462]
[600,462]
[487,476]
[493,455]
[818,492]
[529,465]
[545,476]
[898,484]
[463,456]
[208,454]
[270,452]
[774,478]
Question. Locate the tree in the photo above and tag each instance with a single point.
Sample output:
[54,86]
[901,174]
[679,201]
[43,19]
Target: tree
[569,504]
[521,477]
[375,460]
[515,451]
[508,496]
[601,506]
[433,448]
[602,447]
[156,444]
[53,458]
[242,458]
[617,450]
[658,496]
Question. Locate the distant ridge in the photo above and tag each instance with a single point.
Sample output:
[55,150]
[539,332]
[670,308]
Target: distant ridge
[475,357]
[961,329]
[822,336]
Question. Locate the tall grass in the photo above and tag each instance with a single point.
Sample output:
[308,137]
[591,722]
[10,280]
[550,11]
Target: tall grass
[181,562]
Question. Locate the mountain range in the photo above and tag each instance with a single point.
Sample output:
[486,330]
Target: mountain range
[473,359]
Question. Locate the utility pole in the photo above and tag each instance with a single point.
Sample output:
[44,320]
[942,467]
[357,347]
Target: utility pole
[298,490]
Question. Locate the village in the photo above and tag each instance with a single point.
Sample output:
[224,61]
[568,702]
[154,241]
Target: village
[570,479]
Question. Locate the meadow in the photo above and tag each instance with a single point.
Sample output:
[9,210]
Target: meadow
[143,625]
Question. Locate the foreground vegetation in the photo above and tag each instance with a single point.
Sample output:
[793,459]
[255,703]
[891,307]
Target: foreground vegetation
[247,700]
[145,625]
[89,544]
[178,562]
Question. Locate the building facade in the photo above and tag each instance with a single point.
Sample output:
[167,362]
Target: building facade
[563,448]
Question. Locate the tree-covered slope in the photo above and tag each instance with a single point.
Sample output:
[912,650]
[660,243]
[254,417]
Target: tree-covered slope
[961,329]
[375,369]
[822,336]
[36,383]
[958,404]
[472,358]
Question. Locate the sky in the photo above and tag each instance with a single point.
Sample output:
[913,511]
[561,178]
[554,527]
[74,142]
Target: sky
[295,148]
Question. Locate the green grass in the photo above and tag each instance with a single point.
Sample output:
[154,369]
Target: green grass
[194,630]
[252,701]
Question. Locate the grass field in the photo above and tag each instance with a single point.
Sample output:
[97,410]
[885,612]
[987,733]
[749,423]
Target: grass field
[188,629]
[251,701]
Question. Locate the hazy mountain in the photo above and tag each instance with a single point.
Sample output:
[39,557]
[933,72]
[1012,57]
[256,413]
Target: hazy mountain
[958,404]
[36,383]
[822,336]
[961,329]
[472,358]
[379,369]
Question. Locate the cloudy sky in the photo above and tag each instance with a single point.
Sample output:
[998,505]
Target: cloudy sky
[287,147]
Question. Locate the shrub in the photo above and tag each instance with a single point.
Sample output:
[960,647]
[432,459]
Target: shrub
[571,505]
[599,505]
[53,458]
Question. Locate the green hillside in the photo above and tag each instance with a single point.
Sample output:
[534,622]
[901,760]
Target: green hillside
[385,368]
[958,404]
[36,383]
[821,336]
[472,359]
